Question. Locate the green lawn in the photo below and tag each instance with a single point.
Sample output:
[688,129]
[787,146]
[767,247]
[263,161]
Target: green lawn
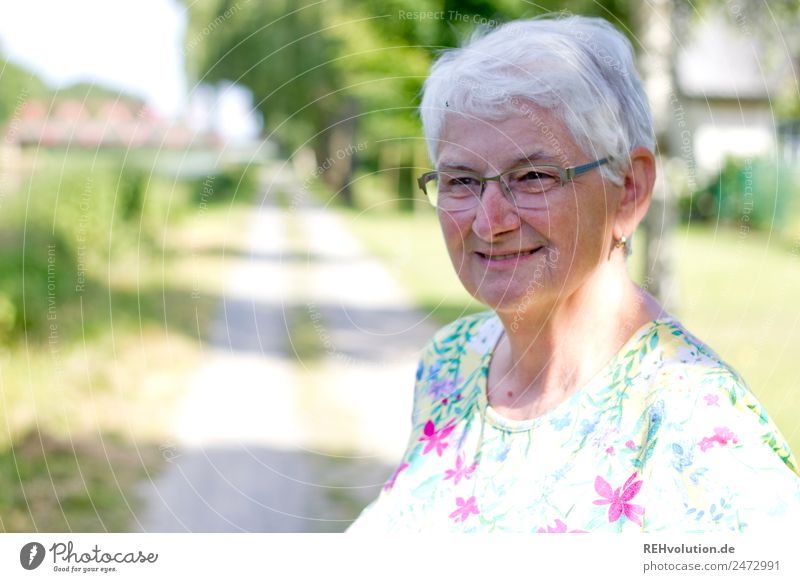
[739,295]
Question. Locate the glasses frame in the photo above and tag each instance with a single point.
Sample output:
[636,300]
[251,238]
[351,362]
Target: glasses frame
[565,174]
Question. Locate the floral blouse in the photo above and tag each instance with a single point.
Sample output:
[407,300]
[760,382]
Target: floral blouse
[666,437]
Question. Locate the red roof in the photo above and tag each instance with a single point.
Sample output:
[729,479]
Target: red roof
[104,123]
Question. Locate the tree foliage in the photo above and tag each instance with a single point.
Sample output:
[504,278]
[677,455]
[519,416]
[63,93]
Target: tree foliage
[352,67]
[17,85]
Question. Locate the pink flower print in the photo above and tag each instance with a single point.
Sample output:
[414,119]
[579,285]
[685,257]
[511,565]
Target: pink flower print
[705,444]
[390,482]
[711,399]
[435,437]
[630,444]
[560,527]
[610,450]
[619,502]
[722,435]
[465,509]
[461,471]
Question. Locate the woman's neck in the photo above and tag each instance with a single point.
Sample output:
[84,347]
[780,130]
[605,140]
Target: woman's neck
[546,355]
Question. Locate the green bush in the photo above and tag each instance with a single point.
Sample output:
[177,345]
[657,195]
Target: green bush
[748,193]
[38,273]
[71,217]
[131,193]
[235,182]
[8,317]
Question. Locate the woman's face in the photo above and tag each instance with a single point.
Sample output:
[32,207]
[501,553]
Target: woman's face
[570,234]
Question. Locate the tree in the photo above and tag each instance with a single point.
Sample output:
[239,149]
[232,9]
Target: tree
[17,85]
[327,73]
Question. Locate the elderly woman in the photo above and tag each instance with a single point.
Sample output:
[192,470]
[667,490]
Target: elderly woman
[577,403]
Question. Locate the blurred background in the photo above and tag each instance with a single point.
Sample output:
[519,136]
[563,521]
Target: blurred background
[216,273]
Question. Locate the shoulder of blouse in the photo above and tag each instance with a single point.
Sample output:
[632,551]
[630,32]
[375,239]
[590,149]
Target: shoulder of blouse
[461,326]
[702,388]
[680,347]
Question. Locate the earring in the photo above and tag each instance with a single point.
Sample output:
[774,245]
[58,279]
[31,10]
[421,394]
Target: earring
[620,244]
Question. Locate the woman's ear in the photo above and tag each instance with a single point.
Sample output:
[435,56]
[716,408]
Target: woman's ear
[637,191]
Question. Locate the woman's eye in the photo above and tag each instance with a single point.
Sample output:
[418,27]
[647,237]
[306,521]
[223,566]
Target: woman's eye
[456,181]
[535,176]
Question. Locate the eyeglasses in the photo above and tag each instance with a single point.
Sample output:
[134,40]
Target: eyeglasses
[523,186]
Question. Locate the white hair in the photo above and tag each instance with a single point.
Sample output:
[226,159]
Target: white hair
[579,68]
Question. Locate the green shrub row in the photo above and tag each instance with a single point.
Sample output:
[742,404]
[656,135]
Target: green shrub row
[748,194]
[73,214]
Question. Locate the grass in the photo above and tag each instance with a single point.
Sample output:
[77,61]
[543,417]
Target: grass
[85,409]
[736,293]
[77,484]
[739,295]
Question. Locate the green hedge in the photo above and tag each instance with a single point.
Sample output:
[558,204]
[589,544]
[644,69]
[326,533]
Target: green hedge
[225,185]
[64,223]
[756,193]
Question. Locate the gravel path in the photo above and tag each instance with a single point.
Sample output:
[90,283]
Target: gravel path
[267,441]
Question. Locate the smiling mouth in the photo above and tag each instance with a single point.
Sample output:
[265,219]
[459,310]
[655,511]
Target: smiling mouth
[508,255]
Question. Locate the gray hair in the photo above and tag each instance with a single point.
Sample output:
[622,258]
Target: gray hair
[579,68]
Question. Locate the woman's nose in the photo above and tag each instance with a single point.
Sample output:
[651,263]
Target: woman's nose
[495,213]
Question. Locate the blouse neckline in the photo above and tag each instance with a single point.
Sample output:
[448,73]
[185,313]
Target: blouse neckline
[497,420]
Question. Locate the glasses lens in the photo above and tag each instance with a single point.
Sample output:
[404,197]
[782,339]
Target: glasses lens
[430,184]
[456,190]
[529,184]
[524,187]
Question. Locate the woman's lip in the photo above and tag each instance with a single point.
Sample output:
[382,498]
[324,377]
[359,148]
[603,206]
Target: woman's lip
[495,258]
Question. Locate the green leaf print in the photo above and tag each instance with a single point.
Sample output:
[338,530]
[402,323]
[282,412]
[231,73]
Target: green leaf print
[781,449]
[427,488]
[760,411]
[487,522]
[649,452]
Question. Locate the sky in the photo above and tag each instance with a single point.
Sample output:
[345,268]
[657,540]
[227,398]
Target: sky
[131,45]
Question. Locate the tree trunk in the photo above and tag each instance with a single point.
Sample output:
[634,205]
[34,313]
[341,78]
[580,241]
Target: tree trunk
[655,62]
[342,153]
[405,177]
